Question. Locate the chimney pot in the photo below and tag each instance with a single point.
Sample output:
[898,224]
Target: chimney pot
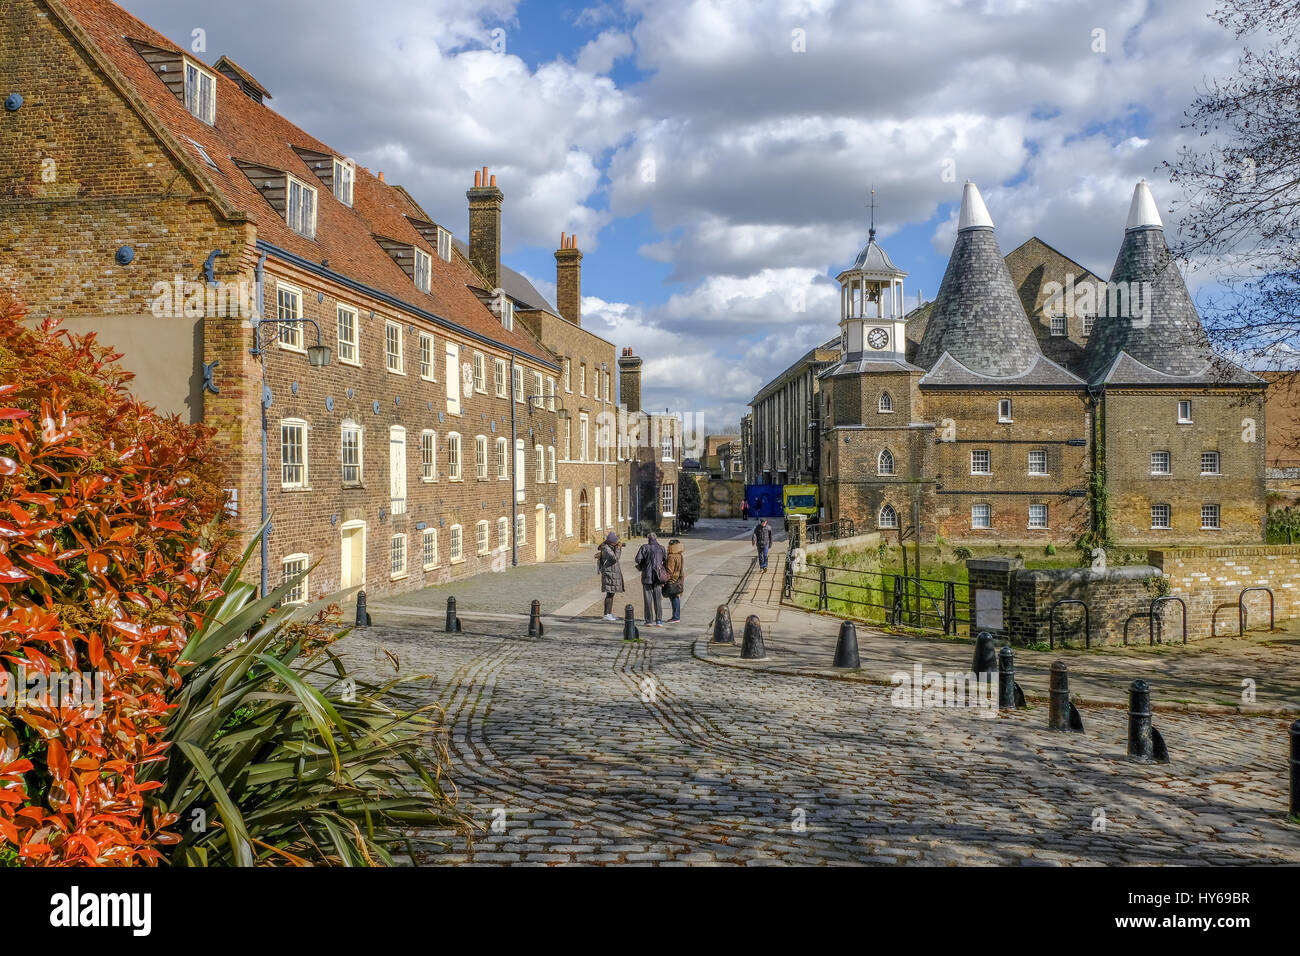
[478,180]
[381,175]
[494,180]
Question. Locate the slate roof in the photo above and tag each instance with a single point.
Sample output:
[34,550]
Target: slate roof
[516,286]
[873,258]
[1126,370]
[1042,373]
[977,316]
[254,133]
[861,366]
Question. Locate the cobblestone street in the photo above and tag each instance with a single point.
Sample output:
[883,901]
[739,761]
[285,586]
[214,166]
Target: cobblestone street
[576,747]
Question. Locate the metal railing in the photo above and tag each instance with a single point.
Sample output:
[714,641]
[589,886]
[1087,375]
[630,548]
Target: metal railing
[879,597]
[1087,623]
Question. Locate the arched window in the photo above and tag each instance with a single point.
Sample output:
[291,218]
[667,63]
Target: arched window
[886,403]
[885,466]
[888,517]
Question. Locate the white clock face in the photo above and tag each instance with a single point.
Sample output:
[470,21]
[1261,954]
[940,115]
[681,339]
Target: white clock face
[878,338]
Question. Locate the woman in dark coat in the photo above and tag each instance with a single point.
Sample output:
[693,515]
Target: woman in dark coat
[611,572]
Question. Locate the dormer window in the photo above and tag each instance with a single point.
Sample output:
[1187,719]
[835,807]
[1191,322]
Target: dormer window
[423,270]
[506,310]
[444,244]
[300,212]
[344,175]
[1004,410]
[200,93]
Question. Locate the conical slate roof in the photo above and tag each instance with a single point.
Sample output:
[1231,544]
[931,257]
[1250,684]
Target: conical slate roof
[978,317]
[1160,328]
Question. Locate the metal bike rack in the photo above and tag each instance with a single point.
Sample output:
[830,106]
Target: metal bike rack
[1151,617]
[1087,622]
[1241,609]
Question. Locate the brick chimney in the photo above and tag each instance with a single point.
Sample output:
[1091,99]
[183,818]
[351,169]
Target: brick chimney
[485,227]
[629,380]
[568,279]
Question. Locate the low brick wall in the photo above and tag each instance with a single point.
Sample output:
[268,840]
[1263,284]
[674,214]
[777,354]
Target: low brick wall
[858,542]
[1213,578]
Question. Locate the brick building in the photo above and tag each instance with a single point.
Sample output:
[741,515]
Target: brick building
[1030,399]
[157,200]
[786,421]
[650,448]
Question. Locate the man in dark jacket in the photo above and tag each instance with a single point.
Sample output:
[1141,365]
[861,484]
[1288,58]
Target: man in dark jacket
[611,572]
[762,539]
[650,560]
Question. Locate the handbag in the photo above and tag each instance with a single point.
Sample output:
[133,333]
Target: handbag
[662,574]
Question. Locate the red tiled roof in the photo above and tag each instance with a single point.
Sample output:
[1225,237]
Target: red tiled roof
[252,132]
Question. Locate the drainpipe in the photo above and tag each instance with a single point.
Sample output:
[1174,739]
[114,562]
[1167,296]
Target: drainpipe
[514,471]
[609,509]
[259,277]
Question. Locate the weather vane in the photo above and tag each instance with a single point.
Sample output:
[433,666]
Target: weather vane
[872,206]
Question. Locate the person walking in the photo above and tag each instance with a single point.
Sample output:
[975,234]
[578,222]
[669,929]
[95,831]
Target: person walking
[744,509]
[762,539]
[676,566]
[650,559]
[611,572]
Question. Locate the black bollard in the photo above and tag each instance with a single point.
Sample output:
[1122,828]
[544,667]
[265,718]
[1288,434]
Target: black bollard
[453,622]
[1058,713]
[752,647]
[630,631]
[1006,679]
[363,616]
[986,654]
[846,648]
[1295,769]
[722,626]
[535,627]
[1144,741]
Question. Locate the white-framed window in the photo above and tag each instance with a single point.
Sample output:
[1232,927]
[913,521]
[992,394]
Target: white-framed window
[666,497]
[582,378]
[1058,325]
[428,364]
[981,516]
[550,464]
[537,389]
[293,453]
[428,455]
[455,545]
[503,533]
[886,404]
[288,309]
[480,372]
[595,510]
[1209,517]
[200,93]
[300,211]
[980,462]
[1088,321]
[345,175]
[423,270]
[349,353]
[1161,463]
[429,548]
[888,517]
[1004,409]
[521,530]
[290,567]
[444,244]
[480,457]
[568,377]
[481,542]
[1038,461]
[351,452]
[885,463]
[453,378]
[503,459]
[393,347]
[550,393]
[568,439]
[517,382]
[667,449]
[583,429]
[499,377]
[550,526]
[453,456]
[1184,411]
[1209,462]
[521,470]
[397,469]
[540,454]
[607,390]
[507,313]
[1038,516]
[397,556]
[1160,517]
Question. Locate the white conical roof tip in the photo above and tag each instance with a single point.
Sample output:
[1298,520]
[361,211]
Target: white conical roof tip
[1142,212]
[974,214]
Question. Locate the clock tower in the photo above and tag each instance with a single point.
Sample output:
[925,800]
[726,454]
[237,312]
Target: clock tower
[871,307]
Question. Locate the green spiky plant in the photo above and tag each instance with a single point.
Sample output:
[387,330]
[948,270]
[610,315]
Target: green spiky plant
[278,757]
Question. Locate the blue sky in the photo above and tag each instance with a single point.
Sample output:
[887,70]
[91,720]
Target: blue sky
[715,157]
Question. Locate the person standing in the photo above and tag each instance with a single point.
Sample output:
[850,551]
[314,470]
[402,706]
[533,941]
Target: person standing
[762,539]
[676,566]
[611,572]
[744,509]
[650,559]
